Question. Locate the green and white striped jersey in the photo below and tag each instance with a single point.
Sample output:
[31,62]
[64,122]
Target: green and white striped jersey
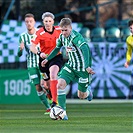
[32,59]
[79,59]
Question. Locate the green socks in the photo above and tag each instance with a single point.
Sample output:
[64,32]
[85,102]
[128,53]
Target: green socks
[62,99]
[43,98]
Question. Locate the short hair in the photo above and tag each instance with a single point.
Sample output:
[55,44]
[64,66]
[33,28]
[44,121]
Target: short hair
[48,14]
[130,22]
[65,22]
[29,15]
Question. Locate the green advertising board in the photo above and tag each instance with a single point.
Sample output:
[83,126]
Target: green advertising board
[16,88]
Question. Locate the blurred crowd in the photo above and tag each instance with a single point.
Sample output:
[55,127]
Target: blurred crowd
[84,11]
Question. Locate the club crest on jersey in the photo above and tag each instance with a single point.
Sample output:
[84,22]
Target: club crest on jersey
[70,49]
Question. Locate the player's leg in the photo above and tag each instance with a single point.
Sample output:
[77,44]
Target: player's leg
[34,74]
[62,95]
[84,88]
[45,84]
[85,94]
[47,74]
[54,69]
[66,75]
[46,88]
[54,66]
[43,98]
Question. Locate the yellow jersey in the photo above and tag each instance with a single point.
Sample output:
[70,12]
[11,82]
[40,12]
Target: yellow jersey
[129,42]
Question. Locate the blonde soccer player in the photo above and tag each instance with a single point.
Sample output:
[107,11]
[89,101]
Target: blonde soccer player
[78,66]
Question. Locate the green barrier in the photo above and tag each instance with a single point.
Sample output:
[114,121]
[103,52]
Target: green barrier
[15,88]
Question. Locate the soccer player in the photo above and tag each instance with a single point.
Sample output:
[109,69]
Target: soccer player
[129,42]
[47,37]
[32,59]
[78,66]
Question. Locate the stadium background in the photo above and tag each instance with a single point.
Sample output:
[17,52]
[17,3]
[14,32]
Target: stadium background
[107,17]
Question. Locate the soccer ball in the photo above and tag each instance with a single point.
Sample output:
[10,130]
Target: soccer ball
[57,113]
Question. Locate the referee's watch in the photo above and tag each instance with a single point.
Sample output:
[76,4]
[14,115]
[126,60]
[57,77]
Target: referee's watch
[38,53]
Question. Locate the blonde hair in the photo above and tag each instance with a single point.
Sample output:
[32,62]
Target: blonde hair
[65,22]
[48,14]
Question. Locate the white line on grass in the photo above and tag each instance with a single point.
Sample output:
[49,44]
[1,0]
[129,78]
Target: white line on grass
[99,101]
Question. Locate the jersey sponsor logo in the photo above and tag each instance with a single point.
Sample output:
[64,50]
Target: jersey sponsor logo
[67,69]
[70,49]
[81,80]
[34,76]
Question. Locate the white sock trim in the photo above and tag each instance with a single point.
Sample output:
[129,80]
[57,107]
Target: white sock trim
[40,93]
[61,92]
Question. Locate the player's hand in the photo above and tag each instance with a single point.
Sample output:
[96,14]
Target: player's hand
[43,55]
[126,64]
[22,46]
[44,62]
[90,71]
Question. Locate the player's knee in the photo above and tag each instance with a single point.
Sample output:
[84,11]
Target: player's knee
[38,87]
[61,84]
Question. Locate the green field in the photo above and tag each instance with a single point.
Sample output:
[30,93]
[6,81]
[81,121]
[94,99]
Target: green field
[98,116]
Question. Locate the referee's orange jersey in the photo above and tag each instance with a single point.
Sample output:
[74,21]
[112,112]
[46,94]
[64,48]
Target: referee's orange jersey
[46,39]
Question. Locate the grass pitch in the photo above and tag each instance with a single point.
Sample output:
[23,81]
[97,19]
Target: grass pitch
[98,116]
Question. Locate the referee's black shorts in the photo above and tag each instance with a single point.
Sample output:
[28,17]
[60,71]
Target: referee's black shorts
[57,60]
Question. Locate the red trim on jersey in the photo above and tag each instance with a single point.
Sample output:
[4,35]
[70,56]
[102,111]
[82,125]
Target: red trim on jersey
[47,40]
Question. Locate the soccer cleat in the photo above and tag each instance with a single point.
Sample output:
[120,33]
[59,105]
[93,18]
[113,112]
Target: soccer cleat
[47,111]
[90,97]
[65,117]
[53,104]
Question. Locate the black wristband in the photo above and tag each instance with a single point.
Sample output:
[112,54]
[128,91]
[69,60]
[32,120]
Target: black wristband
[38,53]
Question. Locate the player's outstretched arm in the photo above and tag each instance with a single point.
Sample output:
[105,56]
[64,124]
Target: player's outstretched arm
[20,49]
[52,55]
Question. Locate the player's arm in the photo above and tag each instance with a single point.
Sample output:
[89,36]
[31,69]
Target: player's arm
[128,55]
[87,55]
[50,56]
[80,42]
[53,53]
[34,49]
[87,58]
[21,47]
